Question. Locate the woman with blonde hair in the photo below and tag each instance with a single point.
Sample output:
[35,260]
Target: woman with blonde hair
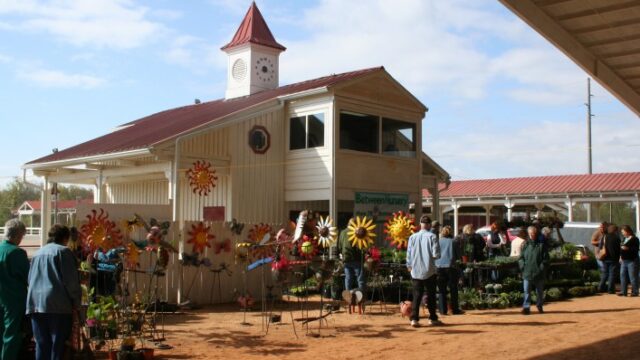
[448,272]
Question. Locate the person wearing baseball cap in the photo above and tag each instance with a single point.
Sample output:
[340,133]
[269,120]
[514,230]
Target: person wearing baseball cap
[422,251]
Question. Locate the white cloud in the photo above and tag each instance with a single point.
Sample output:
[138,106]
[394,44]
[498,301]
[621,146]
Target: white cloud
[411,38]
[195,54]
[119,24]
[451,48]
[54,78]
[547,148]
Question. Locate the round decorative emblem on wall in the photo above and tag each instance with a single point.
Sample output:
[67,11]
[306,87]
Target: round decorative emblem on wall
[259,139]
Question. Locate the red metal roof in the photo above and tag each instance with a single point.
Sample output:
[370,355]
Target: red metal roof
[169,124]
[562,184]
[63,204]
[253,29]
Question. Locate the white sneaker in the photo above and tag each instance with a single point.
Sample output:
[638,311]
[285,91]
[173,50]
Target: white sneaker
[435,322]
[415,324]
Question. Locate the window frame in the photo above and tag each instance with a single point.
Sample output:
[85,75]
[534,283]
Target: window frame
[381,116]
[306,116]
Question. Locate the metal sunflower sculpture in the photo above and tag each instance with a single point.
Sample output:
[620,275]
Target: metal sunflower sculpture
[327,232]
[132,257]
[98,232]
[361,233]
[200,237]
[202,177]
[398,229]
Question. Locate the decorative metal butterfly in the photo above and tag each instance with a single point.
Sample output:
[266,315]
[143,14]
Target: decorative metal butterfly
[236,227]
[190,259]
[222,246]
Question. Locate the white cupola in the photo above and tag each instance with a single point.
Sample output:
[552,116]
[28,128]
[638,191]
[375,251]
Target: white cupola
[253,57]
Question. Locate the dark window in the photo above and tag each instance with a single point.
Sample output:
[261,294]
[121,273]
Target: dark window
[315,132]
[297,133]
[306,132]
[398,138]
[359,132]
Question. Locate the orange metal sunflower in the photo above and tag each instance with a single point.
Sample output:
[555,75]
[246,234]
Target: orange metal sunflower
[100,232]
[202,177]
[200,237]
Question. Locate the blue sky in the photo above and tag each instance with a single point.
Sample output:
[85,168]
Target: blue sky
[503,102]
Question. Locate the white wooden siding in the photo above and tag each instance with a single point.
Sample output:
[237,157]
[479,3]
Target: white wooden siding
[211,144]
[144,193]
[192,204]
[308,172]
[258,179]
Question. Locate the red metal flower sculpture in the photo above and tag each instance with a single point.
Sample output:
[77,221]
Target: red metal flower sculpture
[202,177]
[200,237]
[260,234]
[308,247]
[100,232]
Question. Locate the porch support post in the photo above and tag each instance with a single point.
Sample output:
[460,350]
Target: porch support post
[487,215]
[509,205]
[569,204]
[98,194]
[45,212]
[588,212]
[636,203]
[177,215]
[455,206]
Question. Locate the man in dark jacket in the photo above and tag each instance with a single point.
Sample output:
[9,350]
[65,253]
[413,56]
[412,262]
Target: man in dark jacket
[611,242]
[533,262]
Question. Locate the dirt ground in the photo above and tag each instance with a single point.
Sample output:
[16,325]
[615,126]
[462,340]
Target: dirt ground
[598,327]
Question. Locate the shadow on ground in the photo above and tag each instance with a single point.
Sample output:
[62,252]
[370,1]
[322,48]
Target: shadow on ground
[621,347]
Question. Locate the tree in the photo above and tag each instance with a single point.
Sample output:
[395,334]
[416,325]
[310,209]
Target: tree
[73,192]
[14,194]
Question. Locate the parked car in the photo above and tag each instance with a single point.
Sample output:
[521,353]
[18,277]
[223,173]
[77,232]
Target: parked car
[486,230]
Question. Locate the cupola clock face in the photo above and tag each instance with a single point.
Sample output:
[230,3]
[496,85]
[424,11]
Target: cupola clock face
[264,69]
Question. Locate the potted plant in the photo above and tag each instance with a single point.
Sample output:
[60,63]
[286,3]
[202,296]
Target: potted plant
[102,317]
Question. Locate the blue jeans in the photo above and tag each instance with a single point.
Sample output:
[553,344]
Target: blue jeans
[50,332]
[629,268]
[352,269]
[607,276]
[539,285]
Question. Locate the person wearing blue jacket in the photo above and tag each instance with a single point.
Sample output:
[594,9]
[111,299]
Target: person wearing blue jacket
[422,251]
[54,293]
[448,271]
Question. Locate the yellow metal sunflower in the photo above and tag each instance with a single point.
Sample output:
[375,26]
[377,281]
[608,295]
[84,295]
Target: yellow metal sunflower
[398,229]
[361,233]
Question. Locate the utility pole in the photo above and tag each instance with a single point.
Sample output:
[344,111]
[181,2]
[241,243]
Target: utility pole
[589,116]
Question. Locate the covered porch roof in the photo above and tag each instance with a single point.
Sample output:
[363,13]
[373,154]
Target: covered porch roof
[559,192]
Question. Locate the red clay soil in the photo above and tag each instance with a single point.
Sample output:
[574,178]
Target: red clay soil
[598,327]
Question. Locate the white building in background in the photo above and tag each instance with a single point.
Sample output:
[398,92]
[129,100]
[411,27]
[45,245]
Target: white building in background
[336,144]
